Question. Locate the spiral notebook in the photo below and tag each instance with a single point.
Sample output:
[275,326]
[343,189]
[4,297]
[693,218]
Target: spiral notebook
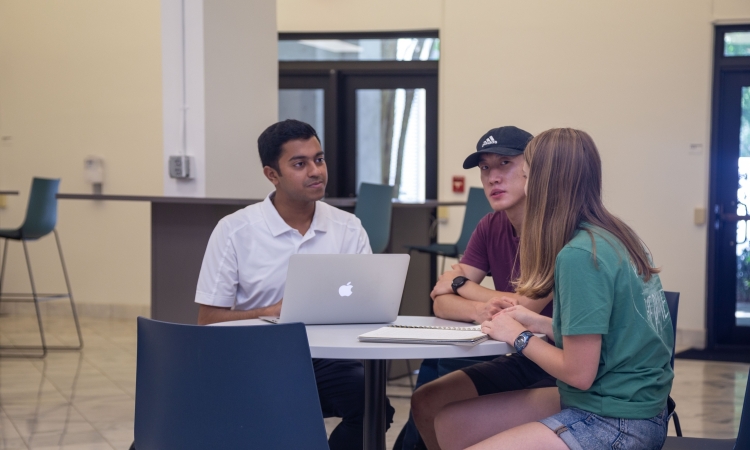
[415,334]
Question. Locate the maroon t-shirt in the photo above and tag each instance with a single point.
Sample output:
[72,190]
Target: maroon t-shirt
[493,248]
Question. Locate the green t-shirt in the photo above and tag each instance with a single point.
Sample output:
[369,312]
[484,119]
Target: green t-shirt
[605,295]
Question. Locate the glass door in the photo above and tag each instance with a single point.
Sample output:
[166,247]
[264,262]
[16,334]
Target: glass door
[742,247]
[729,236]
[390,129]
[392,134]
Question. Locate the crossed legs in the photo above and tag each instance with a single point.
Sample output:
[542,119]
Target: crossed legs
[428,400]
[505,420]
[509,373]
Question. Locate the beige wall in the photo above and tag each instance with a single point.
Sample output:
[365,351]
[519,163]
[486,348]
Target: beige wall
[84,77]
[359,15]
[636,74]
[77,78]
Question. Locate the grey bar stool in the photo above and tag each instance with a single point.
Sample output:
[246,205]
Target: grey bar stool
[477,206]
[41,218]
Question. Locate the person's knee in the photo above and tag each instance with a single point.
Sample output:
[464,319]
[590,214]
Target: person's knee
[345,396]
[444,423]
[352,408]
[429,399]
[426,400]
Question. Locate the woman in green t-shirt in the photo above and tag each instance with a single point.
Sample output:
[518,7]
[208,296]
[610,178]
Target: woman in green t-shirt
[612,330]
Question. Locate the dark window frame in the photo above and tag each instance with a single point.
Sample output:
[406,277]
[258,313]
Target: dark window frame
[361,35]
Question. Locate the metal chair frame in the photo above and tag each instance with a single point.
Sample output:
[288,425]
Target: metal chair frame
[36,298]
[673,304]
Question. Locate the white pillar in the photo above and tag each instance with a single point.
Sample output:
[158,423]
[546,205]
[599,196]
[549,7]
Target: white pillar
[231,90]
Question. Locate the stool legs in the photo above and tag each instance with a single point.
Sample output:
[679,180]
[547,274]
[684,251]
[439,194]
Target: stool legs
[70,292]
[2,267]
[35,298]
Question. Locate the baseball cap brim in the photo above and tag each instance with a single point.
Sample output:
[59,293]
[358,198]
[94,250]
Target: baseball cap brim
[473,159]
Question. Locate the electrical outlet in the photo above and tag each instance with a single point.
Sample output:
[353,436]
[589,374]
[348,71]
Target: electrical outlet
[180,166]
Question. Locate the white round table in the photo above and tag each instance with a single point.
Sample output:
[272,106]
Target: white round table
[340,342]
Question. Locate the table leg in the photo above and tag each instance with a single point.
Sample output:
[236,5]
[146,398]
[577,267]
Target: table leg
[374,421]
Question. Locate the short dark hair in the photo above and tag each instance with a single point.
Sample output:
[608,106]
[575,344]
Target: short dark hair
[278,134]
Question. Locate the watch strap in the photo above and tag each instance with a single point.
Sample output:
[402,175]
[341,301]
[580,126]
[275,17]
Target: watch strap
[522,341]
[457,283]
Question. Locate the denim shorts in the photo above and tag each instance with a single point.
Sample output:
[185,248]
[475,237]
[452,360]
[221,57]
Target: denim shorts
[582,430]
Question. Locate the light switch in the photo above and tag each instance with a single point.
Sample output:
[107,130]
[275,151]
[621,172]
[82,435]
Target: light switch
[699,215]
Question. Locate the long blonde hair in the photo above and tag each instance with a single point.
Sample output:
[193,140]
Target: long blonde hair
[564,190]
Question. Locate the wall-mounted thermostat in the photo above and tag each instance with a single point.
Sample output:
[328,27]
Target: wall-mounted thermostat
[180,166]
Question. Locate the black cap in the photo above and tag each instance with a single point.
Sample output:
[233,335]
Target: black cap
[506,141]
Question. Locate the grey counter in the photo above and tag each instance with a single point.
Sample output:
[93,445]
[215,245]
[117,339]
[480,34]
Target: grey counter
[181,227]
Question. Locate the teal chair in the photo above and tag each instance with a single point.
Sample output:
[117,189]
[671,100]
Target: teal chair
[41,218]
[477,207]
[218,387]
[374,209]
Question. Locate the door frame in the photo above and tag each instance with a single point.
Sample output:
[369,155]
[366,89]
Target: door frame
[339,76]
[717,335]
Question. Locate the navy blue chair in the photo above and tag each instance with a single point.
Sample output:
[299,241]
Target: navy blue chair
[741,443]
[673,304]
[225,387]
[41,219]
[374,209]
[477,207]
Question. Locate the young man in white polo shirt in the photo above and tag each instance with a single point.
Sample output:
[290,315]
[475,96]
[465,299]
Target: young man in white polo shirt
[244,269]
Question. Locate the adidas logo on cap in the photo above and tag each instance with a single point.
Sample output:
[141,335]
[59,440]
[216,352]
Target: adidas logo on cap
[489,141]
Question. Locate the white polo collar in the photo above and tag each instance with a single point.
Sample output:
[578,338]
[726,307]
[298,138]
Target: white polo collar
[278,226]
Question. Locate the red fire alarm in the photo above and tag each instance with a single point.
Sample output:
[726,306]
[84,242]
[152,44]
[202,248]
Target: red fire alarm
[458,184]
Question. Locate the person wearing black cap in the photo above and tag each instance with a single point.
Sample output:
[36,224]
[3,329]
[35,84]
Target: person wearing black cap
[458,295]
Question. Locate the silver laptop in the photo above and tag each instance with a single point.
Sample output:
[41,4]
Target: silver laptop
[338,289]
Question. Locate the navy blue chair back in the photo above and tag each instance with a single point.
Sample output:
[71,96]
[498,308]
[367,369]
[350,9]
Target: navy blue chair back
[41,214]
[374,209]
[477,206]
[673,303]
[227,387]
[743,435]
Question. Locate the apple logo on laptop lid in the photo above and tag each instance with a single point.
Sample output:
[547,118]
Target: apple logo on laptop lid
[346,290]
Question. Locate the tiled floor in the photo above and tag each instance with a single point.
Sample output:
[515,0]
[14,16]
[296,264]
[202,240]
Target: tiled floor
[85,400]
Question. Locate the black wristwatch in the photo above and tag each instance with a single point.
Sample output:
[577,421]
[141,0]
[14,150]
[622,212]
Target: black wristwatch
[522,341]
[457,283]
